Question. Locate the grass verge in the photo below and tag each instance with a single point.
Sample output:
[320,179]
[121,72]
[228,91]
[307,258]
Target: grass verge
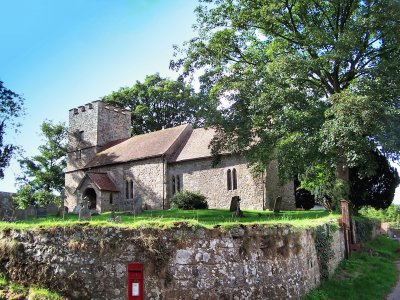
[206,218]
[362,276]
[11,291]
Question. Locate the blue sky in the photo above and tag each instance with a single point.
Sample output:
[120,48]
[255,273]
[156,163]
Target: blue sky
[61,54]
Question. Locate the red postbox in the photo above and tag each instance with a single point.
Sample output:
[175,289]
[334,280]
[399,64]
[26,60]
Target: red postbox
[135,281]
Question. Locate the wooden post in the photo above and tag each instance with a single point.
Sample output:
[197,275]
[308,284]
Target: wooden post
[346,226]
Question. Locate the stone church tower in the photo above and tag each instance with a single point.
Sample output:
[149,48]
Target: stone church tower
[92,127]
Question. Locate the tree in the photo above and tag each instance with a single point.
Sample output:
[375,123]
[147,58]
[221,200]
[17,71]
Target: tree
[377,189]
[304,199]
[43,175]
[313,83]
[159,103]
[11,107]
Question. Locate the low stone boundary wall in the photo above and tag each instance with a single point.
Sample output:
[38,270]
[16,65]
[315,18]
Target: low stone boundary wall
[244,262]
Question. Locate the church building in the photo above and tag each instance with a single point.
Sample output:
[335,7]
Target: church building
[142,172]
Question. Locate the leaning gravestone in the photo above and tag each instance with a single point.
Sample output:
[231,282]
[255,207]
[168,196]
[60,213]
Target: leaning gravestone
[235,207]
[277,204]
[234,203]
[84,212]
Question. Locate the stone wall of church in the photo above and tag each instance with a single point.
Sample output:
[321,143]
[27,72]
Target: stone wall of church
[276,189]
[72,180]
[147,177]
[114,124]
[199,175]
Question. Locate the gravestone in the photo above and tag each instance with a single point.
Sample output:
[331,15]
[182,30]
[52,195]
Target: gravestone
[277,204]
[77,209]
[235,207]
[6,207]
[235,202]
[52,209]
[84,212]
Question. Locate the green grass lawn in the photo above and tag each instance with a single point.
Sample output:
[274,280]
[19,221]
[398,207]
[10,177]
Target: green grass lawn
[11,290]
[207,218]
[363,276]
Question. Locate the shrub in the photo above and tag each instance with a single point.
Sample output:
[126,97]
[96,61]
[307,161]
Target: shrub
[189,200]
[304,199]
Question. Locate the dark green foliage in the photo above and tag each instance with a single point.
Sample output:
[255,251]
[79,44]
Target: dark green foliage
[375,190]
[43,175]
[304,199]
[159,103]
[189,200]
[11,107]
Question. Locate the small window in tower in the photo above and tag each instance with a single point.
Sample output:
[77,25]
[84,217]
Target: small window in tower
[79,154]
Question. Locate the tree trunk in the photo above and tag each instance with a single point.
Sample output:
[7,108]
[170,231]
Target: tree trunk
[342,172]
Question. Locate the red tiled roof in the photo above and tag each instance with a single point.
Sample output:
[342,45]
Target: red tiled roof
[196,146]
[112,144]
[153,144]
[102,181]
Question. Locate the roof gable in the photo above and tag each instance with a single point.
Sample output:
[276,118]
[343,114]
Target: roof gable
[101,180]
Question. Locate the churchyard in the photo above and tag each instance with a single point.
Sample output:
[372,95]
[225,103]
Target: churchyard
[207,218]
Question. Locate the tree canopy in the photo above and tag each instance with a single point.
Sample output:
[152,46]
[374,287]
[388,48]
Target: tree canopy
[42,175]
[159,103]
[11,107]
[314,84]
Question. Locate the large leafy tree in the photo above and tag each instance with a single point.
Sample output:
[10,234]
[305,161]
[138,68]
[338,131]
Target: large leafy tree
[314,83]
[11,107]
[42,175]
[159,103]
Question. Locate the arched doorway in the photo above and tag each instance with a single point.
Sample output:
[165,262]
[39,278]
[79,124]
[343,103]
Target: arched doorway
[91,194]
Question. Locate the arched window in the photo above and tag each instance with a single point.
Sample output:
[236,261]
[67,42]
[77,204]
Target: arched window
[178,183]
[111,198]
[234,179]
[229,179]
[127,189]
[173,185]
[131,189]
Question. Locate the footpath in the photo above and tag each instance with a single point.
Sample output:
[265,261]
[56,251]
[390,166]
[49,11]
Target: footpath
[395,294]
